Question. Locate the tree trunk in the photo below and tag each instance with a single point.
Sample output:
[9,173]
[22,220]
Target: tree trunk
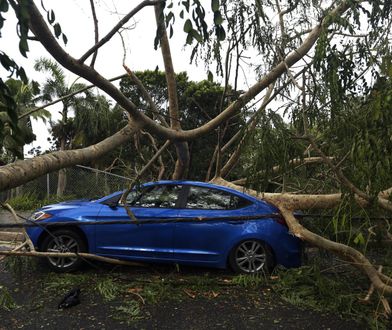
[182,148]
[19,172]
[62,178]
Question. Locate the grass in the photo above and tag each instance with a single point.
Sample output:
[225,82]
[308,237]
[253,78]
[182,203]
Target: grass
[6,300]
[108,289]
[31,201]
[325,286]
[18,266]
[55,283]
[128,313]
[332,291]
[252,281]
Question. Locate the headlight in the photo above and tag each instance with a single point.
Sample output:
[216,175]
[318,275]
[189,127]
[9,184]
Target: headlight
[40,215]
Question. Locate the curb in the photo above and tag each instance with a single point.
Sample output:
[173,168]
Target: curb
[11,236]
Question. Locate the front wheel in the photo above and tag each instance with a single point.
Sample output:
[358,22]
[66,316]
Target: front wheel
[60,241]
[251,256]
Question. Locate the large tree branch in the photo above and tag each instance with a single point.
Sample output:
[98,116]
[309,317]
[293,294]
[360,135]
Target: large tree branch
[19,172]
[292,162]
[348,253]
[293,201]
[182,149]
[42,32]
[289,202]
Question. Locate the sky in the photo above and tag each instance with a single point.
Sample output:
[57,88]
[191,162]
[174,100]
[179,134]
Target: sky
[76,22]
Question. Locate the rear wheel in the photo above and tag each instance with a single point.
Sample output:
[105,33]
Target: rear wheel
[60,241]
[251,256]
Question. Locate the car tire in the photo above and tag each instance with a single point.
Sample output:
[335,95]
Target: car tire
[64,240]
[251,256]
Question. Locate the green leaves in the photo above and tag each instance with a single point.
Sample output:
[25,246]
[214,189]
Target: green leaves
[195,25]
[359,239]
[57,30]
[218,20]
[3,6]
[23,16]
[51,18]
[220,33]
[215,5]
[210,76]
[3,9]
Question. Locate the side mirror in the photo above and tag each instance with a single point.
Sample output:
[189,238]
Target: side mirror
[112,204]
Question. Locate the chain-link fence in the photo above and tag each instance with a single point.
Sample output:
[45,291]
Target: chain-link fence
[80,182]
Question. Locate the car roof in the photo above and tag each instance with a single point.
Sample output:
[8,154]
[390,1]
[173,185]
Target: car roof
[198,184]
[203,184]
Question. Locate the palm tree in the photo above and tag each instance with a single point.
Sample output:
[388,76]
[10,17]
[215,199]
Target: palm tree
[56,87]
[14,138]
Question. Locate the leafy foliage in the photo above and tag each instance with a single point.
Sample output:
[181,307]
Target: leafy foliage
[198,103]
[15,132]
[6,301]
[335,291]
[31,201]
[193,12]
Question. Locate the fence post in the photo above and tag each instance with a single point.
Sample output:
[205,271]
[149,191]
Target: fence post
[47,184]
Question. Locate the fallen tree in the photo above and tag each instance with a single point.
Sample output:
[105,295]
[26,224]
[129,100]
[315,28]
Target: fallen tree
[327,91]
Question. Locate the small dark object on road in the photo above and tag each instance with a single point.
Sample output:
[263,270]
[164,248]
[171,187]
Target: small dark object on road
[70,299]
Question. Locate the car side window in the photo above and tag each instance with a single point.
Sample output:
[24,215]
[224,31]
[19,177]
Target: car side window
[213,199]
[162,196]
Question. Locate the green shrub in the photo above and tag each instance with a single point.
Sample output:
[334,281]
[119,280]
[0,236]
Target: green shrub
[30,201]
[24,202]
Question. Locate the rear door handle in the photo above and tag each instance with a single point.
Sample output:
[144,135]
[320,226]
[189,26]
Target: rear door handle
[236,222]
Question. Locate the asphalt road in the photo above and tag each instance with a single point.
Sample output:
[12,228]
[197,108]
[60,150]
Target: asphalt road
[6,217]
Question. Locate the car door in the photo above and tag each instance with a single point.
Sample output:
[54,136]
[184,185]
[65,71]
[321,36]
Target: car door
[152,239]
[207,241]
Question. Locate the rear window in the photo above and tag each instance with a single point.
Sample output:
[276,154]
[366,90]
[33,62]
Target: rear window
[213,199]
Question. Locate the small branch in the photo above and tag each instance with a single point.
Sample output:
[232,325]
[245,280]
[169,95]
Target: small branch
[117,27]
[154,145]
[257,113]
[146,95]
[70,255]
[96,35]
[237,153]
[28,113]
[293,162]
[384,203]
[18,248]
[16,220]
[124,196]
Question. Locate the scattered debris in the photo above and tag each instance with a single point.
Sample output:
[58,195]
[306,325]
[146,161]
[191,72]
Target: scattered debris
[70,299]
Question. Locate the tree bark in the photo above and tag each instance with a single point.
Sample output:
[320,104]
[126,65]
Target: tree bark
[286,203]
[44,35]
[182,149]
[19,172]
[62,174]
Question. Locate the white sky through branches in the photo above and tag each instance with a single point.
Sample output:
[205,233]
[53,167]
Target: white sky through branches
[76,22]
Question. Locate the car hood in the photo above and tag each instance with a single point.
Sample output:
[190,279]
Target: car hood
[64,206]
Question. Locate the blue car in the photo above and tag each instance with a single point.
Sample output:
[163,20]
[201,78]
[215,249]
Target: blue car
[182,222]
